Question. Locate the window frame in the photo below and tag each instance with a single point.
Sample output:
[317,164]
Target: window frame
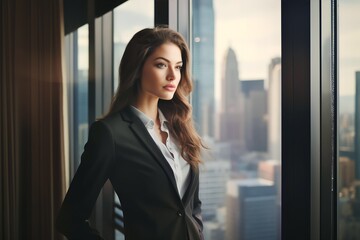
[309,119]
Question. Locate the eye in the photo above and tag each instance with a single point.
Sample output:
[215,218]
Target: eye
[161,65]
[179,67]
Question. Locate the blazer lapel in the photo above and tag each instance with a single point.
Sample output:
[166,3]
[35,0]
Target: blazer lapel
[192,185]
[140,130]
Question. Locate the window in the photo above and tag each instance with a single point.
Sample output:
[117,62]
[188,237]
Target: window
[236,107]
[78,55]
[349,121]
[129,18]
[237,104]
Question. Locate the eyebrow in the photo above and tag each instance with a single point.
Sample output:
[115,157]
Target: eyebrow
[167,60]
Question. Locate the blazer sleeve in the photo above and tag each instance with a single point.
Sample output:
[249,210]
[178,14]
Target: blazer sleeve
[94,170]
[197,209]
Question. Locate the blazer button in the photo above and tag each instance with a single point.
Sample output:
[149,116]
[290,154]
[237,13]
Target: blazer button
[179,214]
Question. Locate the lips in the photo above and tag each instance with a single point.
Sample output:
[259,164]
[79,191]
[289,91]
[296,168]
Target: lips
[170,87]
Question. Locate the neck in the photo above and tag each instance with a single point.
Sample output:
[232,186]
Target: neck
[148,106]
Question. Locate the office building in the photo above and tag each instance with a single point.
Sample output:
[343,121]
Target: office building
[213,178]
[251,210]
[255,108]
[274,109]
[230,127]
[203,65]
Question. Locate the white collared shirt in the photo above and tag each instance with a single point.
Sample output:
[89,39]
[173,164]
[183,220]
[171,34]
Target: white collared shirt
[170,150]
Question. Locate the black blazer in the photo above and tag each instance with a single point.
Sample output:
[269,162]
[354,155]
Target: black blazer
[120,148]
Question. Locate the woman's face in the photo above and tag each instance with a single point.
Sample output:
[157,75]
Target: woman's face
[161,72]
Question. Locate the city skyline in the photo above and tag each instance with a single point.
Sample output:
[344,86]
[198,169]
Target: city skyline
[237,25]
[243,131]
[349,170]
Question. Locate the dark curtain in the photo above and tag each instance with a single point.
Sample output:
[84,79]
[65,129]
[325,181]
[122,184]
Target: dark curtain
[32,182]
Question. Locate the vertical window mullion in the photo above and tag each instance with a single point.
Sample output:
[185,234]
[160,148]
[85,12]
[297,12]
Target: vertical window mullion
[296,125]
[91,21]
[161,12]
[328,107]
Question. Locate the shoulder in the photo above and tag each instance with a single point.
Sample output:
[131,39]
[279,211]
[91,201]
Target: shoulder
[113,120]
[115,124]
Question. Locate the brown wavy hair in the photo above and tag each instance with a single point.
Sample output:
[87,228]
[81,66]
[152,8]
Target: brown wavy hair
[177,111]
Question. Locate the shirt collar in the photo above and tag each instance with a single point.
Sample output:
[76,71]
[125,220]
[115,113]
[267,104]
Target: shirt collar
[148,122]
[163,120]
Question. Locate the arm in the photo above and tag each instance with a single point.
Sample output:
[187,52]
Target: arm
[197,209]
[90,177]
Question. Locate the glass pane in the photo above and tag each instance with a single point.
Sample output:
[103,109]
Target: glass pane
[129,18]
[81,72]
[236,105]
[349,121]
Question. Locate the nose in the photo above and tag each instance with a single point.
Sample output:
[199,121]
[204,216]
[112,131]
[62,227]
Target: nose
[171,75]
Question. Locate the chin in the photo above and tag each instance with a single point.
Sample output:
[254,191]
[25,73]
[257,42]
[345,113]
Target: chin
[167,97]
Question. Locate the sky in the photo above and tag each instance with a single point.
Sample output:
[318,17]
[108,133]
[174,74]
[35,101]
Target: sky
[253,30]
[349,45]
[131,17]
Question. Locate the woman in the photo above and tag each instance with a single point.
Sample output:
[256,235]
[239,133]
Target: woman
[146,145]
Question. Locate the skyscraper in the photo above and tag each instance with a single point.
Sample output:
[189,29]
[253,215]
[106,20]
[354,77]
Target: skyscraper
[213,180]
[357,128]
[346,173]
[274,109]
[349,172]
[203,66]
[251,210]
[229,82]
[255,108]
[230,127]
[271,170]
